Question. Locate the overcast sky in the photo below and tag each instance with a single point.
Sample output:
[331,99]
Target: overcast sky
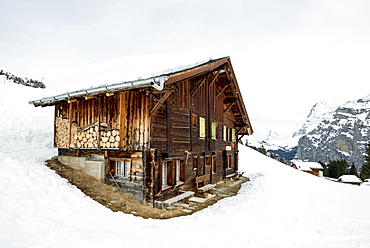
[287,54]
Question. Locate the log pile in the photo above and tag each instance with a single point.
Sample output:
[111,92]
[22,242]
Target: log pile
[61,132]
[87,137]
[109,139]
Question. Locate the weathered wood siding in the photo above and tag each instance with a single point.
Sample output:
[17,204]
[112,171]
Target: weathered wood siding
[176,129]
[125,112]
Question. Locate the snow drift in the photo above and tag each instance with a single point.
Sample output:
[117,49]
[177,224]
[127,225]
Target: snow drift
[279,207]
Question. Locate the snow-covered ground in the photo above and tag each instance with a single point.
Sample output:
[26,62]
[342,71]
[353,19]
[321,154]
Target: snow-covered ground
[279,207]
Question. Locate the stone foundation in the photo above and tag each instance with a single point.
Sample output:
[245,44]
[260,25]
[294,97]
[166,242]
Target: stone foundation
[95,168]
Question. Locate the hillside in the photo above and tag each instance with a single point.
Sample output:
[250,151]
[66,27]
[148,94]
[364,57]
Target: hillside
[279,207]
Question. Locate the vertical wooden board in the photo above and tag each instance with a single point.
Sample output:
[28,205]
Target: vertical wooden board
[122,118]
[130,121]
[146,122]
[89,112]
[137,121]
[116,111]
[56,114]
[141,120]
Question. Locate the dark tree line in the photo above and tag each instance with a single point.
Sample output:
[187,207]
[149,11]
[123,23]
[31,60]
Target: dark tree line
[22,81]
[337,168]
[365,170]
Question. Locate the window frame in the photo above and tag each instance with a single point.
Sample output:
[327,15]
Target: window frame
[233,135]
[214,130]
[122,168]
[214,164]
[164,174]
[202,127]
[172,173]
[224,133]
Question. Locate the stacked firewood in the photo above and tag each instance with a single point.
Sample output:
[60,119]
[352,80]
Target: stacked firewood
[109,139]
[61,132]
[87,137]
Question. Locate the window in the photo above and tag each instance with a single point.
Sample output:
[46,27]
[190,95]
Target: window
[228,161]
[173,172]
[164,174]
[123,168]
[208,160]
[195,163]
[233,136]
[194,120]
[202,127]
[214,164]
[180,171]
[214,130]
[224,133]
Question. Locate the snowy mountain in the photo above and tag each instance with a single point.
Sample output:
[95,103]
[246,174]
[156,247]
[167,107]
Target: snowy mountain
[340,133]
[278,144]
[319,112]
[285,144]
[328,132]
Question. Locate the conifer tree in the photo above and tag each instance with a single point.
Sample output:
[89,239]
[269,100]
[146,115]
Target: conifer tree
[263,150]
[365,170]
[337,168]
[353,170]
[281,160]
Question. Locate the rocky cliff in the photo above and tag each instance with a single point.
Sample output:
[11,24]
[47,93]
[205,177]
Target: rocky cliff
[338,134]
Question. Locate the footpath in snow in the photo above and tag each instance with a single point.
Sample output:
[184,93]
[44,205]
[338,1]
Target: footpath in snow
[279,207]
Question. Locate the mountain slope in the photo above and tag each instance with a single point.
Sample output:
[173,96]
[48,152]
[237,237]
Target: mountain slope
[341,134]
[279,207]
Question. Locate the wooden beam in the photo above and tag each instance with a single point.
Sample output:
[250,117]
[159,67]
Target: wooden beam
[161,101]
[230,100]
[89,97]
[219,93]
[198,87]
[70,125]
[191,73]
[228,107]
[240,137]
[214,79]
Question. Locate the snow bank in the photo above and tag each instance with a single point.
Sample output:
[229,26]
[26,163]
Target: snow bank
[279,207]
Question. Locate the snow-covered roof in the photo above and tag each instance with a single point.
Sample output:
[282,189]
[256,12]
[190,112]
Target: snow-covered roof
[123,73]
[349,179]
[308,166]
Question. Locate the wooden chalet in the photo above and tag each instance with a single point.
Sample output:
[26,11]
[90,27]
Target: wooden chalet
[155,138]
[313,168]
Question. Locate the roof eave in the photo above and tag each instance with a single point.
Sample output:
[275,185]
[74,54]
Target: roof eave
[154,82]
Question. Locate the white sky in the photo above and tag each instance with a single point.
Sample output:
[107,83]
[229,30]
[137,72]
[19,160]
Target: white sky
[287,54]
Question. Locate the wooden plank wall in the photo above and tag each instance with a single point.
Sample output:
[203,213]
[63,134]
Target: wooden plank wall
[173,131]
[127,112]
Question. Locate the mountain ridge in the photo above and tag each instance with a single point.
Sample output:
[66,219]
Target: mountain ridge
[329,132]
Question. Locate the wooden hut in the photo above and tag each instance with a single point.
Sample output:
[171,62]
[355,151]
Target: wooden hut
[350,179]
[313,168]
[156,137]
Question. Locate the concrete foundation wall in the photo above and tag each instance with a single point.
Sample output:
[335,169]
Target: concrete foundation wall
[92,168]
